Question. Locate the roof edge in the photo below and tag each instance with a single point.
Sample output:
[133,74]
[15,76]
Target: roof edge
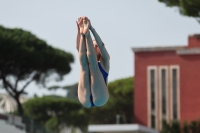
[157,49]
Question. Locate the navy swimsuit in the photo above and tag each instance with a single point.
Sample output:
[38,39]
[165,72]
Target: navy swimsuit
[105,75]
[103,72]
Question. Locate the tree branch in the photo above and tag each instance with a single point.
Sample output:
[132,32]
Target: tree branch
[23,88]
[6,83]
[16,83]
[10,93]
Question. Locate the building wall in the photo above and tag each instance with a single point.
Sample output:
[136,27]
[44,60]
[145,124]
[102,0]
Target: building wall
[8,104]
[190,87]
[189,83]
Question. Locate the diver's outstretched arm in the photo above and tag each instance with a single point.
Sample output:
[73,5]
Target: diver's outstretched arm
[78,34]
[84,89]
[102,48]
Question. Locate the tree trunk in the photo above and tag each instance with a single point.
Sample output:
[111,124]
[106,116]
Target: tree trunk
[19,106]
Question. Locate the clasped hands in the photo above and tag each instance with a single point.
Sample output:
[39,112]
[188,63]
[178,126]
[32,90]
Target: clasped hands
[83,25]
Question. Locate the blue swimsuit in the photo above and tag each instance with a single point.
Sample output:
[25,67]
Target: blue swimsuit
[103,72]
[105,75]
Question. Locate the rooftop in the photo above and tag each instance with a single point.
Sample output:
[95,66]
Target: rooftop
[157,49]
[193,47]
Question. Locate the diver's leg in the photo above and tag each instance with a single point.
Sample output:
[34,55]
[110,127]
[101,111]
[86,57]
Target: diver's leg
[84,91]
[99,89]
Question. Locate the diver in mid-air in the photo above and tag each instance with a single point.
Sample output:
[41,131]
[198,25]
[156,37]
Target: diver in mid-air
[94,65]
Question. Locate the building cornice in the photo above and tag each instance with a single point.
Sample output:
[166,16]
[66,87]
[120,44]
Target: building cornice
[188,51]
[158,49]
[180,50]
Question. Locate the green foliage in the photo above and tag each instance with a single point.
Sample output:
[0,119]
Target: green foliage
[165,127]
[120,102]
[56,112]
[52,124]
[176,127]
[170,3]
[121,91]
[189,8]
[21,53]
[194,126]
[185,128]
[26,58]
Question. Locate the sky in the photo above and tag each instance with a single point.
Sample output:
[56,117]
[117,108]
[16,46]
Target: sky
[121,24]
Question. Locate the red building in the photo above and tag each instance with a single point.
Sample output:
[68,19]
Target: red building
[167,83]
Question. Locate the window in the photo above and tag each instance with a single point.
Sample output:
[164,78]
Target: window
[163,88]
[174,93]
[152,96]
[153,123]
[152,81]
[163,94]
